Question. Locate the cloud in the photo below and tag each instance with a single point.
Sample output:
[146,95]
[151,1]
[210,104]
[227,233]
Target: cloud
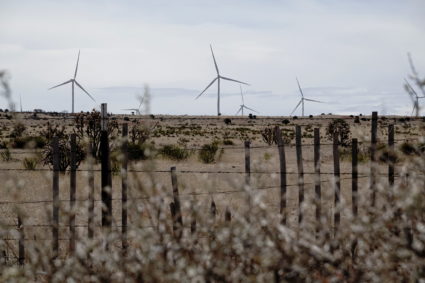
[354,50]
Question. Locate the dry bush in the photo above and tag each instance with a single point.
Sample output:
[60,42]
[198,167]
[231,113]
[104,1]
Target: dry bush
[385,243]
[87,125]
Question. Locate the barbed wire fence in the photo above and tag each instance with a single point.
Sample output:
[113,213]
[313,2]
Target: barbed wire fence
[175,209]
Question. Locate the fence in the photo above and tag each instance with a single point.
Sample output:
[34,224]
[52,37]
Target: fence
[106,198]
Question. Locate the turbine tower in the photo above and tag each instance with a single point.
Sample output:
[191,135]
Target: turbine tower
[241,108]
[302,100]
[74,81]
[218,83]
[414,97]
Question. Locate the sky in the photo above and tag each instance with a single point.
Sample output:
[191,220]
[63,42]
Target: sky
[349,54]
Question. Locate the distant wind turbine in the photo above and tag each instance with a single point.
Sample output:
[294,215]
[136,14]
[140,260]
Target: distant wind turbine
[414,97]
[20,102]
[243,105]
[73,81]
[218,83]
[302,100]
[137,110]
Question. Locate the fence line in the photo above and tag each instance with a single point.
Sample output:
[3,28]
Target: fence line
[175,195]
[17,151]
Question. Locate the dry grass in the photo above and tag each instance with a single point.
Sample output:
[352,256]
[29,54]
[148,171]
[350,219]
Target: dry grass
[254,246]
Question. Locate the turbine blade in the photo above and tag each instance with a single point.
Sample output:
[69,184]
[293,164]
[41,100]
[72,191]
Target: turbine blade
[312,100]
[410,87]
[251,109]
[76,67]
[67,82]
[240,109]
[85,91]
[213,81]
[215,63]
[229,79]
[299,87]
[299,103]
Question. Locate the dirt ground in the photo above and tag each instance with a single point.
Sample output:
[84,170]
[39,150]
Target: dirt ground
[203,185]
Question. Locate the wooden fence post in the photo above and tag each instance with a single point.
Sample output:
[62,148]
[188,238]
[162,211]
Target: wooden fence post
[178,218]
[213,210]
[90,220]
[374,130]
[354,176]
[298,146]
[55,189]
[337,176]
[193,221]
[247,163]
[21,244]
[317,181]
[106,170]
[72,192]
[391,157]
[282,161]
[124,205]
[227,215]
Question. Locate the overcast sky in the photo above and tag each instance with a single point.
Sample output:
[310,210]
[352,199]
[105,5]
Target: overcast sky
[351,54]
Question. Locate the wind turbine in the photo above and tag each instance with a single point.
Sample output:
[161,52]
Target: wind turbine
[20,102]
[302,100]
[243,105]
[73,81]
[218,83]
[414,97]
[137,110]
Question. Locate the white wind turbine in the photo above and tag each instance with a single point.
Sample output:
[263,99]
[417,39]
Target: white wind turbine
[218,83]
[137,110]
[302,100]
[414,97]
[241,108]
[73,81]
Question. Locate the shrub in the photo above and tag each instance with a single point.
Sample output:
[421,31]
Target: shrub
[286,122]
[357,120]
[64,153]
[295,117]
[88,124]
[410,149]
[342,128]
[269,136]
[6,156]
[228,142]
[30,163]
[18,130]
[227,121]
[174,152]
[29,142]
[139,133]
[137,151]
[208,152]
